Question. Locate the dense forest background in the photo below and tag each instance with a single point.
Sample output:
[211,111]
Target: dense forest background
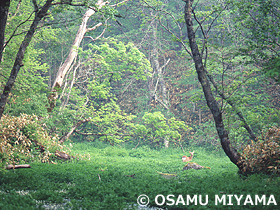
[124,71]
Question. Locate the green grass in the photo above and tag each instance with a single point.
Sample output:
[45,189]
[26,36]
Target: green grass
[99,180]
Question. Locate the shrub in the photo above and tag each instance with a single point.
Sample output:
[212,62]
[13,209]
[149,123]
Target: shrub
[262,156]
[156,130]
[23,139]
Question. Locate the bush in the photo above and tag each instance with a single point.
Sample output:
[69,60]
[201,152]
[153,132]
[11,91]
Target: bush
[23,139]
[262,156]
[157,131]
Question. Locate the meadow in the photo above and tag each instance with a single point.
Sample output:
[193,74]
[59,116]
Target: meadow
[107,177]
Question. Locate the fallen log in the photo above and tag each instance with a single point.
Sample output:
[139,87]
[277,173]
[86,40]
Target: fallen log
[8,167]
[63,155]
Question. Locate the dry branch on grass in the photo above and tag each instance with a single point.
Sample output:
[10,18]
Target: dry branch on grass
[8,167]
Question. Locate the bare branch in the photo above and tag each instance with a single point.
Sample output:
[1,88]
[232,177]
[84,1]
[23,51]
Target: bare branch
[94,27]
[68,3]
[127,86]
[63,138]
[13,34]
[177,38]
[122,2]
[101,134]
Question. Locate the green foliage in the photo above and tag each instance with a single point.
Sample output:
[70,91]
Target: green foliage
[156,129]
[30,103]
[29,92]
[117,59]
[272,68]
[94,97]
[109,83]
[205,135]
[260,22]
[112,124]
[103,181]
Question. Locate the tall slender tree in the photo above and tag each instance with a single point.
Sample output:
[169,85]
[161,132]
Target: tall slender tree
[39,14]
[204,81]
[4,9]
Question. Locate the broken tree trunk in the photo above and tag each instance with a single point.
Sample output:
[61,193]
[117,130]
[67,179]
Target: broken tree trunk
[63,155]
[73,53]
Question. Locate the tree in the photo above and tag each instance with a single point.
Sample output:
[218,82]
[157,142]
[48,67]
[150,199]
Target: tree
[204,81]
[40,12]
[73,52]
[208,18]
[83,29]
[4,9]
[260,22]
[89,102]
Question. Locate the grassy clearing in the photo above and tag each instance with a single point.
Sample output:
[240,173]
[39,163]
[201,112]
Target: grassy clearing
[101,180]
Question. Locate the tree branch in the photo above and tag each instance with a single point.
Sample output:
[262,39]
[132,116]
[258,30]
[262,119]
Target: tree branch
[63,138]
[102,134]
[122,2]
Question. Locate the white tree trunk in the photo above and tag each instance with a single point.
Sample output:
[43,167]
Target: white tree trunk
[74,49]
[62,71]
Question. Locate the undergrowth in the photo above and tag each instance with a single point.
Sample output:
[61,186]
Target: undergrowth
[23,139]
[262,156]
[107,177]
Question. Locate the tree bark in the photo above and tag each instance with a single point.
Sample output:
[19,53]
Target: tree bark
[62,71]
[4,9]
[39,14]
[202,77]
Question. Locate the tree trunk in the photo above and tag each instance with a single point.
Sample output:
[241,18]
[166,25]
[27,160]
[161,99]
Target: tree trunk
[72,54]
[4,9]
[202,77]
[39,14]
[157,68]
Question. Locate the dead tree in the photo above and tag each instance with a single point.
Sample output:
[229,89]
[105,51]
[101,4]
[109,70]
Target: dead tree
[62,71]
[83,29]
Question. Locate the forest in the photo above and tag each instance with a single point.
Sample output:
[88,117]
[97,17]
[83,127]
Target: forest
[101,99]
